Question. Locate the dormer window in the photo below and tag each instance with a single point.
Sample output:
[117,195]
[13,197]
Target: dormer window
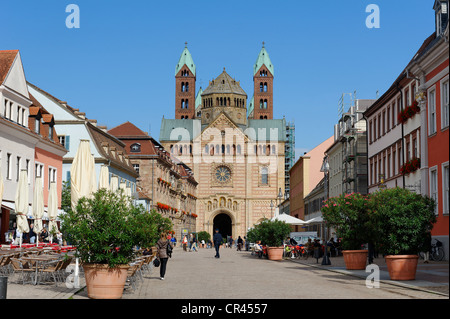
[441,9]
[37,125]
[135,148]
[50,132]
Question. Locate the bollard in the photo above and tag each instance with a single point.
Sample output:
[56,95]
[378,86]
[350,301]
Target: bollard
[3,287]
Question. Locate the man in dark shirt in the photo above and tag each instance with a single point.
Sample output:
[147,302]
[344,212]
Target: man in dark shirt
[217,238]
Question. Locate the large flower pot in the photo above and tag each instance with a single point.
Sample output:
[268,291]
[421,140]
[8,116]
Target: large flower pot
[275,253]
[355,259]
[103,282]
[402,267]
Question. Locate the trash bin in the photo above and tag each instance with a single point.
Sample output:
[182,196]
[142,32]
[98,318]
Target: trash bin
[3,287]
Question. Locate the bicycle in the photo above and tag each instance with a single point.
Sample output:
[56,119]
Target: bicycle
[292,252]
[436,252]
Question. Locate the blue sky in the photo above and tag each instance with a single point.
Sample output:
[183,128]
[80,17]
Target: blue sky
[119,65]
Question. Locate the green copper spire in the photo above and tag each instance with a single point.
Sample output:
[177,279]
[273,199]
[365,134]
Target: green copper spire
[185,58]
[198,99]
[250,106]
[263,59]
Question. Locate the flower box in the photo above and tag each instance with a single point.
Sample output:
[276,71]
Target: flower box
[410,166]
[408,112]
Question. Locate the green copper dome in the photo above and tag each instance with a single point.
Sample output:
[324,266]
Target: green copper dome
[185,58]
[263,59]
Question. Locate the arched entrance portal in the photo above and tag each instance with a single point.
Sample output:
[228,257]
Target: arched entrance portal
[223,222]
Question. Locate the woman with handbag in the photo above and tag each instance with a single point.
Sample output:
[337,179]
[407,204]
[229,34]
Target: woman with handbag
[162,246]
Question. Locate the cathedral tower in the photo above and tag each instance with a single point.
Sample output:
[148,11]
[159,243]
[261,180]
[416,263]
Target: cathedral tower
[224,94]
[263,86]
[185,77]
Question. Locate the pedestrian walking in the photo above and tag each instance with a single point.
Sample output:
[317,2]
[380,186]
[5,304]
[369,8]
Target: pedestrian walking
[239,243]
[194,244]
[191,241]
[161,246]
[184,242]
[427,248]
[217,238]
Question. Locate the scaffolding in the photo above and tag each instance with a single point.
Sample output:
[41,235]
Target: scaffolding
[354,144]
[289,151]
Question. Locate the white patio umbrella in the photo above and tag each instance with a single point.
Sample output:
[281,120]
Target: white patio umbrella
[82,179]
[315,220]
[114,183]
[103,180]
[38,207]
[288,219]
[52,209]
[21,204]
[82,173]
[123,186]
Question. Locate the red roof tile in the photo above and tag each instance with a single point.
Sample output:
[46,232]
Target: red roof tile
[127,129]
[7,58]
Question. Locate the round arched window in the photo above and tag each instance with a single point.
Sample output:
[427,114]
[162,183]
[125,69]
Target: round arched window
[223,174]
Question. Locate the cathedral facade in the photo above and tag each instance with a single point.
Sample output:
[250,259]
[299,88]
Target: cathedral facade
[233,145]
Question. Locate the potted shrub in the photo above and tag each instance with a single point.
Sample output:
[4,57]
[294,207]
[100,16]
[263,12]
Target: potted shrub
[349,214]
[272,234]
[403,220]
[149,228]
[103,228]
[203,235]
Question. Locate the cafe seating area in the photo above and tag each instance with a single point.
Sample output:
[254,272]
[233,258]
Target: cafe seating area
[51,264]
[36,264]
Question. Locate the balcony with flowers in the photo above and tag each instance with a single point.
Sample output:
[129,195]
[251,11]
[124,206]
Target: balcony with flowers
[410,166]
[409,112]
[163,182]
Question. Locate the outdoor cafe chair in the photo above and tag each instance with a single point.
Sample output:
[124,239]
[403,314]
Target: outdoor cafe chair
[146,266]
[65,264]
[53,270]
[22,268]
[5,265]
[131,275]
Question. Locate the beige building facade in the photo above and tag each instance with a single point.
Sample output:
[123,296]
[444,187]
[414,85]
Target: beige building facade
[237,160]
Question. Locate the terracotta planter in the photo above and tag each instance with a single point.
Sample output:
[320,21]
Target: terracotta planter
[103,282]
[275,253]
[402,267]
[355,259]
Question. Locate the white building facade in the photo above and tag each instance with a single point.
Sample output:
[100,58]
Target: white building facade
[73,126]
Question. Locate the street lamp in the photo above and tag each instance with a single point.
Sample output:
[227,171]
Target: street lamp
[325,168]
[279,199]
[280,196]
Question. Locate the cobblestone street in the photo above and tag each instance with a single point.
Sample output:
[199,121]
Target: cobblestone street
[237,275]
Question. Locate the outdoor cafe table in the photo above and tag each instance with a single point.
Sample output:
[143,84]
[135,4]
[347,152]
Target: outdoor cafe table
[40,260]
